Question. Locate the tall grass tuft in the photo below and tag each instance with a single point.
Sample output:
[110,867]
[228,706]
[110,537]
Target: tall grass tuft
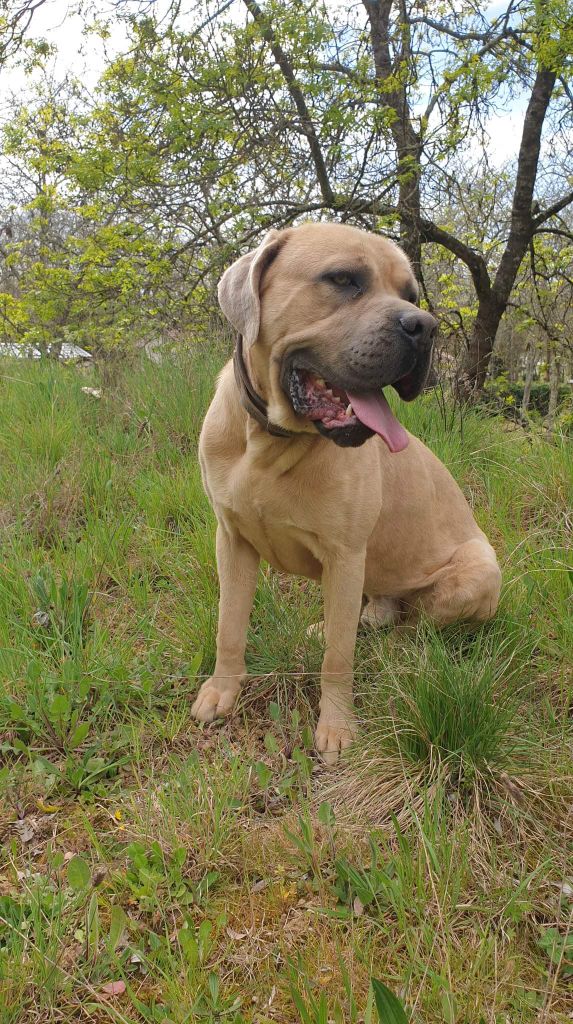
[452,699]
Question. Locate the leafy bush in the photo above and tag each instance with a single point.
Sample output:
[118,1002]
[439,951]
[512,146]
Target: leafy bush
[501,395]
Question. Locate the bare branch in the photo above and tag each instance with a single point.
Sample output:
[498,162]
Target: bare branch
[473,260]
[299,101]
[552,210]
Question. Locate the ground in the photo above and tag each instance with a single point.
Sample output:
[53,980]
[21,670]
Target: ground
[154,870]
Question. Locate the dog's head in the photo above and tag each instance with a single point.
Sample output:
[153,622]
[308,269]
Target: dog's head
[328,318]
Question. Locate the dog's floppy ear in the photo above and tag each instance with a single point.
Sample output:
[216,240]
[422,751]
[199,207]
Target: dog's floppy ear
[239,286]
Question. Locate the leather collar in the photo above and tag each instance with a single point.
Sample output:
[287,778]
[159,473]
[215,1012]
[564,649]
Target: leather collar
[250,399]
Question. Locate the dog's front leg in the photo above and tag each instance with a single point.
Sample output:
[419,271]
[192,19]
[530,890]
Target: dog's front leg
[342,585]
[237,565]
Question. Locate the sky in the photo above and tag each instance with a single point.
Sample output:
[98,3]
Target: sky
[86,58]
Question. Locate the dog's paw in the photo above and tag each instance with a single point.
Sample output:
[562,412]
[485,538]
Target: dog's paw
[316,630]
[333,735]
[214,700]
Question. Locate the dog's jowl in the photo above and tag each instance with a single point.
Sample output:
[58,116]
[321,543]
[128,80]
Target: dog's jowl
[307,467]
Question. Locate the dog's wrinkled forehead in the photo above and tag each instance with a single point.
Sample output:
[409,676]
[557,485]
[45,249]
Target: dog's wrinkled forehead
[315,250]
[289,276]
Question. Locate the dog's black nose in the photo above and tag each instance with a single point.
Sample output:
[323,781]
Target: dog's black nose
[419,326]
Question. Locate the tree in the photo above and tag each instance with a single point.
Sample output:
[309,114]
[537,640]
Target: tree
[15,20]
[534,49]
[72,270]
[208,131]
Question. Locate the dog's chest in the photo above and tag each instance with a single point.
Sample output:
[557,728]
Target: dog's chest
[275,520]
[297,515]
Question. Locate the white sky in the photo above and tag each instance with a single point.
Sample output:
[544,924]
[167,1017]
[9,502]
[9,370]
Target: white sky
[85,57]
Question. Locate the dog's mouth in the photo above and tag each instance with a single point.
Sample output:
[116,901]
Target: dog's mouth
[348,417]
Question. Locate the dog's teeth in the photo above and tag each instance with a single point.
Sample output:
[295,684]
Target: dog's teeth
[349,410]
[321,382]
[329,392]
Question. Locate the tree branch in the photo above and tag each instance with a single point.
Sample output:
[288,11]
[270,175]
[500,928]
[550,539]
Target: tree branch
[555,231]
[556,207]
[297,96]
[522,224]
[342,69]
[473,260]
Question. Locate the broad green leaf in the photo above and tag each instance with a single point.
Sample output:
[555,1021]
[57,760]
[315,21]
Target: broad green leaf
[326,814]
[390,1009]
[79,874]
[60,706]
[117,924]
[78,736]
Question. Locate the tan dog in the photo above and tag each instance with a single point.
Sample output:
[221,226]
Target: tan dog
[307,468]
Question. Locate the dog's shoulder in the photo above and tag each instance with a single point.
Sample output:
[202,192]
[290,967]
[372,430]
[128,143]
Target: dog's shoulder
[223,431]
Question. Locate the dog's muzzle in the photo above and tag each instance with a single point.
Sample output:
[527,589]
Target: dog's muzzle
[344,399]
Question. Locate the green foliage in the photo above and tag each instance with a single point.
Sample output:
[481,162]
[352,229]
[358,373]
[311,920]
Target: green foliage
[390,1010]
[79,875]
[506,397]
[552,34]
[316,1008]
[457,704]
[133,198]
[151,876]
[558,948]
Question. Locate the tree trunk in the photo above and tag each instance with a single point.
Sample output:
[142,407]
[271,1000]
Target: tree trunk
[476,360]
[554,375]
[407,141]
[529,371]
[472,374]
[409,208]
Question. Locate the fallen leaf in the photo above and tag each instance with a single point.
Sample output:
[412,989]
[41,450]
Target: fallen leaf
[98,876]
[40,619]
[113,988]
[325,976]
[358,906]
[26,829]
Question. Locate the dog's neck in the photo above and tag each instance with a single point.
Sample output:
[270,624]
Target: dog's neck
[254,403]
[273,449]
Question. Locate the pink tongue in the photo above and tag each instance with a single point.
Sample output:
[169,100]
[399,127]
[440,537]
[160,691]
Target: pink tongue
[373,410]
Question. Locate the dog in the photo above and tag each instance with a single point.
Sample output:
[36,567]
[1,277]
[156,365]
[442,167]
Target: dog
[307,467]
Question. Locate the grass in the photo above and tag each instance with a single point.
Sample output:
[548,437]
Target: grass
[152,870]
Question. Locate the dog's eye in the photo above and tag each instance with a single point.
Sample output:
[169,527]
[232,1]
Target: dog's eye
[346,282]
[343,280]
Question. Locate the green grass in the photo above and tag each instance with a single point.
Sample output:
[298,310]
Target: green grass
[222,874]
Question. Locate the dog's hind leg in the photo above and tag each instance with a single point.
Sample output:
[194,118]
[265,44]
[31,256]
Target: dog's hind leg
[379,612]
[466,589]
